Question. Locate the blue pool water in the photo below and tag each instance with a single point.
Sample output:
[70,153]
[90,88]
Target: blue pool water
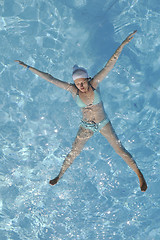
[99,196]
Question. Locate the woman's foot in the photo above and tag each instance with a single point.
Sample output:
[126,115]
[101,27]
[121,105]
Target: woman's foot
[143,184]
[54,181]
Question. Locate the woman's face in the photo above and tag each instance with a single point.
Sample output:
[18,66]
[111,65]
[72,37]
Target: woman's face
[82,84]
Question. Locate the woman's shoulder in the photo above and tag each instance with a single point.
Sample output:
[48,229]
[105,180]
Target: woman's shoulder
[73,88]
[93,82]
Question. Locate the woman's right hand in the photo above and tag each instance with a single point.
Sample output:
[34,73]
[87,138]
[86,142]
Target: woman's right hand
[21,63]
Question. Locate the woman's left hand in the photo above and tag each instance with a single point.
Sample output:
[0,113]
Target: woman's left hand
[129,38]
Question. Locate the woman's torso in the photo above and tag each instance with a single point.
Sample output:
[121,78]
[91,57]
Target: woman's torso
[94,113]
[91,105]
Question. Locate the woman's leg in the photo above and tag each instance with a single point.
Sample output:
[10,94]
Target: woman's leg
[108,132]
[83,136]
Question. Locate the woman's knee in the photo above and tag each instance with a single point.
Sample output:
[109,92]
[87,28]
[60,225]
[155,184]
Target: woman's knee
[79,143]
[120,150]
[74,153]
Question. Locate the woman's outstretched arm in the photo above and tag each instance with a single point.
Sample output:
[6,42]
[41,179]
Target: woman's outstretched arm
[48,77]
[110,64]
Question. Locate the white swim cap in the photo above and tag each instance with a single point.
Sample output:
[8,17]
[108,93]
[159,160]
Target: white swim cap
[79,72]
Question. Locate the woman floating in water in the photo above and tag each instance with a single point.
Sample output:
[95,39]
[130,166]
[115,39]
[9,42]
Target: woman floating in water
[86,93]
